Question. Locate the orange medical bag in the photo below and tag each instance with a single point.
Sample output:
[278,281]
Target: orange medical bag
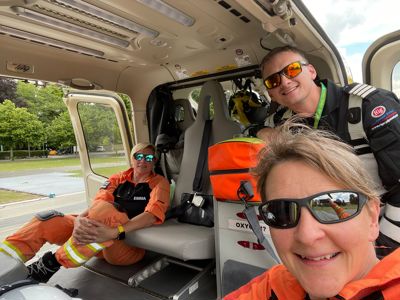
[229,163]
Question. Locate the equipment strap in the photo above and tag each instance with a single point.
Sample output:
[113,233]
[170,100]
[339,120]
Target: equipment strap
[201,161]
[357,92]
[245,193]
[252,218]
[163,165]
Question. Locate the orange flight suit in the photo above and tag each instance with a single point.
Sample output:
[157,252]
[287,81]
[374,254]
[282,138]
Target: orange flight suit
[31,237]
[382,282]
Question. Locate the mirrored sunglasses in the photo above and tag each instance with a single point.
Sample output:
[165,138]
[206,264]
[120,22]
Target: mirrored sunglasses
[327,208]
[146,157]
[290,71]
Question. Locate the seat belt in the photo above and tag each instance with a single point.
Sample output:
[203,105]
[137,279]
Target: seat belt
[163,164]
[245,193]
[198,178]
[201,161]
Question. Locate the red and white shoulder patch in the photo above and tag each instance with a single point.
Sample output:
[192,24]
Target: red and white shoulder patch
[378,111]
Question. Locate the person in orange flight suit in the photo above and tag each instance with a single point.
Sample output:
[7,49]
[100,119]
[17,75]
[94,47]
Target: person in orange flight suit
[127,201]
[323,256]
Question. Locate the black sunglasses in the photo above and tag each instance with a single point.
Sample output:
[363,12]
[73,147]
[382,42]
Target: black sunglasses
[146,157]
[290,71]
[327,208]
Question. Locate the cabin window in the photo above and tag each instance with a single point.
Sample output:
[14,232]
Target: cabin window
[103,138]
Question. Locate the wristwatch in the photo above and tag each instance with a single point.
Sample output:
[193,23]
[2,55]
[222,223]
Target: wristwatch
[121,233]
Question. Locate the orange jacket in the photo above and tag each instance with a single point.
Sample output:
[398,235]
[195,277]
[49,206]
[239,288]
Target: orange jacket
[159,195]
[382,282]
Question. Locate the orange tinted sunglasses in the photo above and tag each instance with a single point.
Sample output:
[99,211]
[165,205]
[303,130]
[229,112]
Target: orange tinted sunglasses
[290,71]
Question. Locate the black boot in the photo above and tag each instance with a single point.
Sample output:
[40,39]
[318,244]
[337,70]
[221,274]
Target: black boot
[42,269]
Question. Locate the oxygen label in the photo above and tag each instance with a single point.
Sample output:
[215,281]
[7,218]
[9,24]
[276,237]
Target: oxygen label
[243,225]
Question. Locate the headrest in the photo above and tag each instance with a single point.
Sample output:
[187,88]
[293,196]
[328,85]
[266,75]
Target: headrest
[164,142]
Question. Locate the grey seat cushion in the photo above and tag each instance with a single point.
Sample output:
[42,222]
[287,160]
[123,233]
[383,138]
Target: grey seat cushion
[179,240]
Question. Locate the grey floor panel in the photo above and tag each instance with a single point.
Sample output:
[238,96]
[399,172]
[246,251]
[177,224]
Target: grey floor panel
[99,280]
[121,273]
[92,286]
[169,287]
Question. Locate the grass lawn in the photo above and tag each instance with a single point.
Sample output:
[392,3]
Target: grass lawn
[7,196]
[108,171]
[44,163]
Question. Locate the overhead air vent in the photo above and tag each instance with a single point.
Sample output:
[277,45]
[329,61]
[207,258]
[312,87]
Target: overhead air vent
[169,11]
[105,16]
[45,41]
[79,22]
[55,22]
[233,11]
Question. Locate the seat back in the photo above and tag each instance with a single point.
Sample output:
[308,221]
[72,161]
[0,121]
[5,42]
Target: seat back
[222,128]
[184,114]
[184,117]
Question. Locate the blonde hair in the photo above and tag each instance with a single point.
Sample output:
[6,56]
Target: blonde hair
[317,148]
[140,146]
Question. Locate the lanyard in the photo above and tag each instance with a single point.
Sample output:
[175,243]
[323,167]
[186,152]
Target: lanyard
[321,105]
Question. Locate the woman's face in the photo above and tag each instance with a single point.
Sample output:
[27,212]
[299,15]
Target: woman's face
[323,257]
[143,167]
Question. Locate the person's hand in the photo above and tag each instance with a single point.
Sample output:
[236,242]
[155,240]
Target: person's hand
[88,231]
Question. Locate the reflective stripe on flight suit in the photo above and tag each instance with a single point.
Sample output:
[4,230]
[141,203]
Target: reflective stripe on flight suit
[78,255]
[10,250]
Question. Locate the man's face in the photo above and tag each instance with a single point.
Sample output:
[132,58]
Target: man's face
[292,92]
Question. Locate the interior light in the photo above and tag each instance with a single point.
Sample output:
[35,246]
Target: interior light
[107,16]
[54,22]
[49,41]
[169,11]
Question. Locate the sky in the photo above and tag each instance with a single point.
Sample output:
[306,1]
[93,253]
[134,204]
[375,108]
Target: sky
[353,25]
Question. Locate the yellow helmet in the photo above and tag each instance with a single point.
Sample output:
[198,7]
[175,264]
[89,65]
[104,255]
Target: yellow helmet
[246,107]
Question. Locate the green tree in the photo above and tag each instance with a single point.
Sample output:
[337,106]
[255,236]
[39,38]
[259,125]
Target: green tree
[18,126]
[44,101]
[128,104]
[8,88]
[99,125]
[60,133]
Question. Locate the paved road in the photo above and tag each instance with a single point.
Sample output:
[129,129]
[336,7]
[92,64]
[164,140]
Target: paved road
[20,212]
[46,181]
[7,174]
[44,184]
[13,216]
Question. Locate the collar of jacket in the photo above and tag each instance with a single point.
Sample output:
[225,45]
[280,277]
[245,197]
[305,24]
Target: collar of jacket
[384,275]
